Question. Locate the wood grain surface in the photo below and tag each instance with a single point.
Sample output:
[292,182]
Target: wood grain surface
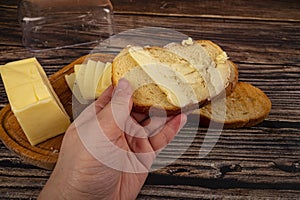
[261,162]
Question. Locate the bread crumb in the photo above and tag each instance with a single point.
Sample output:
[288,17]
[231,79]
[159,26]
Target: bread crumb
[221,58]
[55,151]
[189,41]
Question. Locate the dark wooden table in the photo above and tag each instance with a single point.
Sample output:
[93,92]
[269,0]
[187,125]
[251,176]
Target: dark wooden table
[261,162]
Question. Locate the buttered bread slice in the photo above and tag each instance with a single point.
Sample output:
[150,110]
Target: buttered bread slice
[174,78]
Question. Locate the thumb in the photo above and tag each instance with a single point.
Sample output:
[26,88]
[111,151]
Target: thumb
[121,102]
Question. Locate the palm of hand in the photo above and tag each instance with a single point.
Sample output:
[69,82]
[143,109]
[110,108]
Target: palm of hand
[115,165]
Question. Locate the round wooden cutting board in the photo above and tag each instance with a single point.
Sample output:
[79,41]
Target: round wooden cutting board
[45,154]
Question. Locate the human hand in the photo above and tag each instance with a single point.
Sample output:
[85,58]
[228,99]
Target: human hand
[107,152]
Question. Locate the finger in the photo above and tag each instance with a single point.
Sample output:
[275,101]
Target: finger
[142,149]
[168,132]
[122,96]
[115,115]
[138,139]
[101,102]
[154,124]
[121,102]
[139,117]
[138,144]
[104,99]
[91,111]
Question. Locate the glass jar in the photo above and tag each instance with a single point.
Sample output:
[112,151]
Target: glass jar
[60,24]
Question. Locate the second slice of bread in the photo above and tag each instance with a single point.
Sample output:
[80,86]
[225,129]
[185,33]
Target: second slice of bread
[246,106]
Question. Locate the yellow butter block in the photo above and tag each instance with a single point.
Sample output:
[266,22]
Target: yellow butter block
[33,100]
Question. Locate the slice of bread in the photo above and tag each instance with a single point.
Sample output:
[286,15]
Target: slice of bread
[246,106]
[207,79]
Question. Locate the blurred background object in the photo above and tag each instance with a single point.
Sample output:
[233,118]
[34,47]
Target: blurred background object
[64,23]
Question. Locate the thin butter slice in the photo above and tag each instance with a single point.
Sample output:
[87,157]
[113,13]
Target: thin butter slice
[71,81]
[89,76]
[33,100]
[98,72]
[94,81]
[78,85]
[105,80]
[171,82]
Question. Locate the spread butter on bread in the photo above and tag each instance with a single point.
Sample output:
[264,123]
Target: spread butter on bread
[177,77]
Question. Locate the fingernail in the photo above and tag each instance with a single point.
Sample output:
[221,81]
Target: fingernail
[183,120]
[122,84]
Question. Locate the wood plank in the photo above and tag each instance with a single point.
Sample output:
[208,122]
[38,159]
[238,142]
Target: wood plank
[170,192]
[17,187]
[287,10]
[167,192]
[20,193]
[246,41]
[18,178]
[21,182]
[269,158]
